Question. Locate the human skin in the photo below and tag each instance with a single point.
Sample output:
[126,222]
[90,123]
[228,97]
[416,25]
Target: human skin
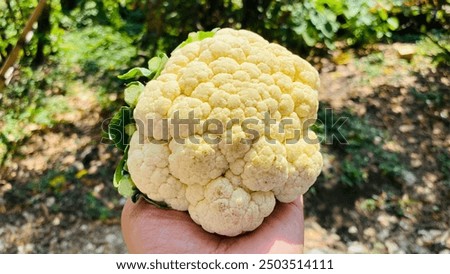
[147,229]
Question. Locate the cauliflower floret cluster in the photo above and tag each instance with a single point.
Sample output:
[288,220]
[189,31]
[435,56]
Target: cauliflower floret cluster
[228,186]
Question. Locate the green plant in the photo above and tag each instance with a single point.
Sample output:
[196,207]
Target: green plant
[316,21]
[368,205]
[97,49]
[433,98]
[354,170]
[13,16]
[425,15]
[444,162]
[436,44]
[27,107]
[360,146]
[94,208]
[369,21]
[321,23]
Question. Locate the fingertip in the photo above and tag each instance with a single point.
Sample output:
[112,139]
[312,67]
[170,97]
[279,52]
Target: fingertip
[132,222]
[125,221]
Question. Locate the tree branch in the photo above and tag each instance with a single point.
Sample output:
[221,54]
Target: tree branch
[12,57]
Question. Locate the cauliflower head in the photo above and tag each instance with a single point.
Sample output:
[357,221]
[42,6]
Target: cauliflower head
[250,145]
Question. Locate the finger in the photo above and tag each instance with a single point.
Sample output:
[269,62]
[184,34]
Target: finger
[147,229]
[292,239]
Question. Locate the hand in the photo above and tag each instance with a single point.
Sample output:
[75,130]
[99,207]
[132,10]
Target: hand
[147,229]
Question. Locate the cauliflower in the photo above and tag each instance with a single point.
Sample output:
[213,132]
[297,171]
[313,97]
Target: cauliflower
[252,102]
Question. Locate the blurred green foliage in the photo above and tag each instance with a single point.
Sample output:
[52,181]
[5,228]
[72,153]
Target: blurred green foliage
[13,16]
[27,106]
[359,146]
[104,50]
[160,25]
[444,162]
[66,187]
[436,44]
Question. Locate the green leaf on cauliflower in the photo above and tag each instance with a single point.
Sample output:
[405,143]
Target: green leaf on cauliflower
[137,194]
[122,180]
[130,129]
[198,36]
[157,63]
[135,73]
[116,128]
[155,66]
[118,173]
[126,186]
[122,125]
[132,92]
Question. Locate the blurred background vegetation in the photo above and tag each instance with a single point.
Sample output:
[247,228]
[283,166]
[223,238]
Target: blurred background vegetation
[384,65]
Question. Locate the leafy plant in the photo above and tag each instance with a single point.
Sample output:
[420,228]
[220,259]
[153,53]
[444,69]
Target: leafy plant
[122,125]
[95,49]
[368,21]
[26,107]
[315,21]
[444,162]
[13,16]
[369,205]
[94,208]
[436,44]
[360,145]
